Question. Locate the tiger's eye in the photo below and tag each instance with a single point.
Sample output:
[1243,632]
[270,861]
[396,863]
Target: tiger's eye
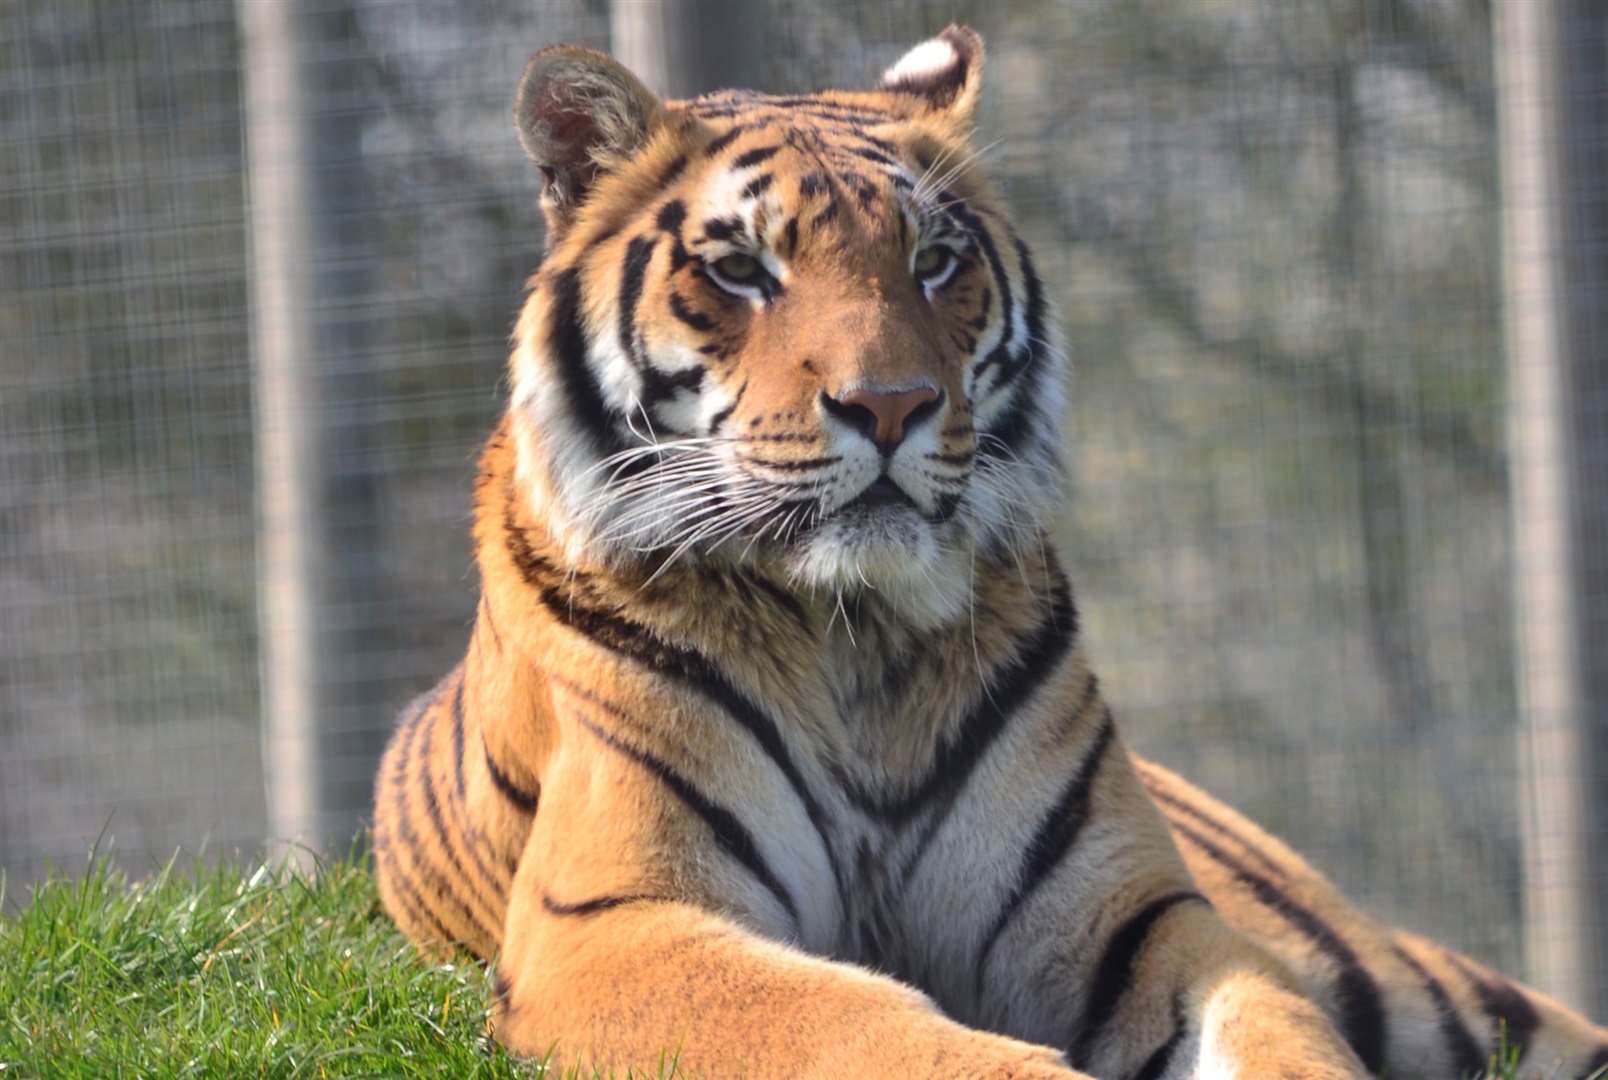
[738,267]
[930,260]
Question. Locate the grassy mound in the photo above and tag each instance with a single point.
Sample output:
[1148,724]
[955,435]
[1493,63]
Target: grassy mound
[213,972]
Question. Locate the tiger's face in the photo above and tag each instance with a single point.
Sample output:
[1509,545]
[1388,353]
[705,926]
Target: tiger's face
[793,329]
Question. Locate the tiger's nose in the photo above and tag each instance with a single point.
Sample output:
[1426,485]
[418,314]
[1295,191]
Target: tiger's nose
[883,416]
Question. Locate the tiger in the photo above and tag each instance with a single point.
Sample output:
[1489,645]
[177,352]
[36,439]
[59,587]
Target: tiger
[774,749]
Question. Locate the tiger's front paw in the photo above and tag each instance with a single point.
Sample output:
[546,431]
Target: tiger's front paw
[1254,1029]
[996,1057]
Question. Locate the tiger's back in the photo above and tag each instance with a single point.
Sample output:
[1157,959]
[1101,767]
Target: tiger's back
[775,684]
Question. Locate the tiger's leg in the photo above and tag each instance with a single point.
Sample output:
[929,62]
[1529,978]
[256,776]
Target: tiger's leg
[1093,936]
[1429,1011]
[617,984]
[625,976]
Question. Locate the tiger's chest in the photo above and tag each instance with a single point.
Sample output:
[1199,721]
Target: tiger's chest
[882,781]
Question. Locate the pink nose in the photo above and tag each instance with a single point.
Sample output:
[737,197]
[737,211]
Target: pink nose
[883,415]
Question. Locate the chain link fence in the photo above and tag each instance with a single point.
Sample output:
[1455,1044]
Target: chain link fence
[1274,232]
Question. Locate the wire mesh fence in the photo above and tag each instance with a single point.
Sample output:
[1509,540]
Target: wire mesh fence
[1274,233]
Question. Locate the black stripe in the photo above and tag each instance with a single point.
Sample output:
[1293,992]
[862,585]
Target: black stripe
[779,596]
[864,188]
[438,823]
[846,115]
[814,183]
[695,319]
[1009,686]
[1056,834]
[522,800]
[656,384]
[749,158]
[670,217]
[723,415]
[1002,282]
[873,155]
[718,112]
[412,902]
[1022,417]
[593,906]
[1504,1005]
[790,233]
[762,110]
[672,171]
[1113,975]
[583,396]
[881,144]
[1169,800]
[474,841]
[638,253]
[1155,1066]
[720,142]
[804,465]
[429,878]
[485,615]
[722,228]
[457,738]
[534,569]
[730,834]
[757,185]
[1363,1015]
[796,101]
[637,643]
[980,323]
[1466,1056]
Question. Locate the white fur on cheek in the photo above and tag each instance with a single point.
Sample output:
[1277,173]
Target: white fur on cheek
[929,59]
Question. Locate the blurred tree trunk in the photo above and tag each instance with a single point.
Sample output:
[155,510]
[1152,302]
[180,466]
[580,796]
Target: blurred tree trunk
[319,558]
[682,48]
[1553,107]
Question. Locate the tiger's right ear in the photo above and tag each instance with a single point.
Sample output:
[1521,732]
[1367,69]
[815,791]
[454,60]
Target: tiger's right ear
[578,113]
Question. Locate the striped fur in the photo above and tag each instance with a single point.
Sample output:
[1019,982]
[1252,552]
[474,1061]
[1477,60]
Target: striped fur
[774,746]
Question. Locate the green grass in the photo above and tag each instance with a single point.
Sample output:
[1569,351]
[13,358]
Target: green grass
[215,972]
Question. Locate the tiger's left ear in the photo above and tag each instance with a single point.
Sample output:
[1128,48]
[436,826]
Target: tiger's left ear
[944,75]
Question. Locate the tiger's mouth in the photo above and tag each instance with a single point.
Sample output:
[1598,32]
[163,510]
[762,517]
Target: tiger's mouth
[882,492]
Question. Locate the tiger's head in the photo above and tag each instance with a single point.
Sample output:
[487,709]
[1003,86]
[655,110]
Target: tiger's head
[794,329]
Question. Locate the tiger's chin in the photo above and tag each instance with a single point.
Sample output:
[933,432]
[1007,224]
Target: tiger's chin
[915,566]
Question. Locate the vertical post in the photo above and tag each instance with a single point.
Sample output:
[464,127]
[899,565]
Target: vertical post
[682,48]
[317,553]
[1553,115]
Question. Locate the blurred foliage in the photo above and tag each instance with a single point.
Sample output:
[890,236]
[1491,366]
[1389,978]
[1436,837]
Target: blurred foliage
[1272,231]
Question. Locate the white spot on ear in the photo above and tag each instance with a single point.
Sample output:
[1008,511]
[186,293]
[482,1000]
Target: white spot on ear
[926,61]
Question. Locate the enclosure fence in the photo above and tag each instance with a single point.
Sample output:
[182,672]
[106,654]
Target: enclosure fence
[1338,532]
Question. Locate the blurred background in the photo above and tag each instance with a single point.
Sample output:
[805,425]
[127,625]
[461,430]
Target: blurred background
[1339,525]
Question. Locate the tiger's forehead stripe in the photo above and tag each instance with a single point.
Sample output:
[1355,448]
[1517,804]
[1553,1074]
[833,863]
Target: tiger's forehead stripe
[832,134]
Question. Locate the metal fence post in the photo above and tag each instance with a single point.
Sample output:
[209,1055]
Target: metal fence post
[681,48]
[1553,91]
[318,557]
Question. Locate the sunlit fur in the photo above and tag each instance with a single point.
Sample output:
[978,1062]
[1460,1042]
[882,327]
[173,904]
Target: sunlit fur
[741,771]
